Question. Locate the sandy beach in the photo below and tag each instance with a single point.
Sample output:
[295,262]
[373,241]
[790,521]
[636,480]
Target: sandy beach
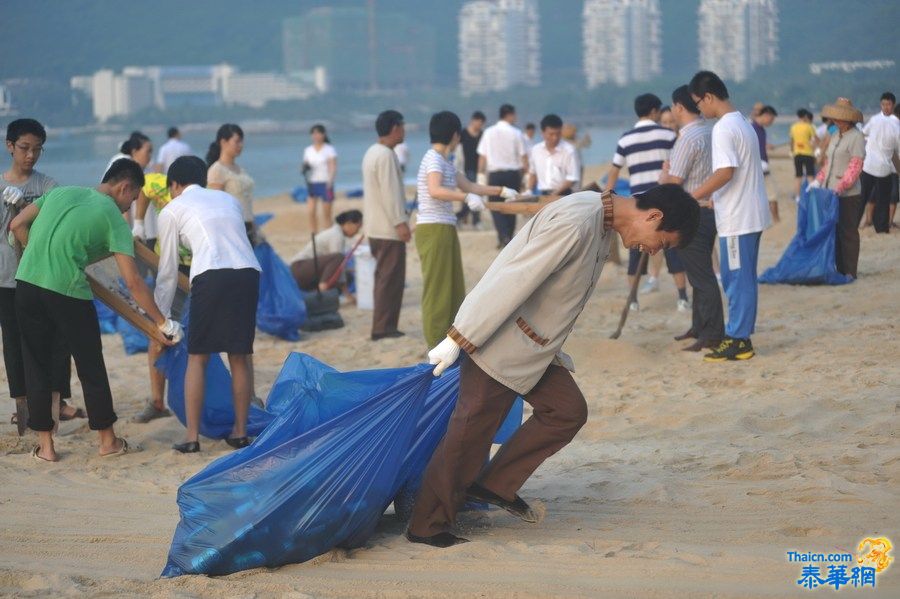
[689,479]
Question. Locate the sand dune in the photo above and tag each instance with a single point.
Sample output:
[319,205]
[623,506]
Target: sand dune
[689,479]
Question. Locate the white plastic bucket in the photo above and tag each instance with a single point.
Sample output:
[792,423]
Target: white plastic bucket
[365,278]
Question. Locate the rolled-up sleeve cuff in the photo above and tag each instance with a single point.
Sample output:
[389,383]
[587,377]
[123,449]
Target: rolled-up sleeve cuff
[466,345]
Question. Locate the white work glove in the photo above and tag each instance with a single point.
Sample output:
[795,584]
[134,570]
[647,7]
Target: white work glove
[508,194]
[138,229]
[814,185]
[172,330]
[444,355]
[12,196]
[481,178]
[475,202]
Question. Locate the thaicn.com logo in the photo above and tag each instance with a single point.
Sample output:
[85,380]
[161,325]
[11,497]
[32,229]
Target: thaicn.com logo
[839,570]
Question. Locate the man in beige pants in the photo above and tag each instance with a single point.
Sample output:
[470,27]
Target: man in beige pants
[512,327]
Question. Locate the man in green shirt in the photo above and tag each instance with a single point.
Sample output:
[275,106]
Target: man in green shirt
[62,232]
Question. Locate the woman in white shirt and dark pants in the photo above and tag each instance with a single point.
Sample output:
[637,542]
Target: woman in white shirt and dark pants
[438,186]
[320,170]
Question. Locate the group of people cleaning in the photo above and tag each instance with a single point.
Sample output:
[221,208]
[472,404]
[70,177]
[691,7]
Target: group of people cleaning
[509,329]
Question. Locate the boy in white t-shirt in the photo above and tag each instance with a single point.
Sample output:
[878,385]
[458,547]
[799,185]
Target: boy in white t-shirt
[741,208]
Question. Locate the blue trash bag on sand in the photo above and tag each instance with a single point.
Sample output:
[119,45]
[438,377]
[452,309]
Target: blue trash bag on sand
[217,418]
[320,475]
[106,317]
[281,309]
[809,258]
[133,339]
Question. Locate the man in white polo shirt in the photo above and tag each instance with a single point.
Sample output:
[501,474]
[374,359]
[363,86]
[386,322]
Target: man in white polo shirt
[224,289]
[882,142]
[552,164]
[502,155]
[741,208]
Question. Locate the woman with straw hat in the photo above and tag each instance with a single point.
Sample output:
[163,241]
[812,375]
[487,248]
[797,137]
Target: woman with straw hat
[840,173]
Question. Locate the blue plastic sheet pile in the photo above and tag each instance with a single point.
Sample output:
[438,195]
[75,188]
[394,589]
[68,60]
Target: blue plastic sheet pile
[338,451]
[809,258]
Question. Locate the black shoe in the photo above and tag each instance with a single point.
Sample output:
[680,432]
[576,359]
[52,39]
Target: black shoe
[238,442]
[702,344]
[731,349]
[689,335]
[517,507]
[189,447]
[390,335]
[442,539]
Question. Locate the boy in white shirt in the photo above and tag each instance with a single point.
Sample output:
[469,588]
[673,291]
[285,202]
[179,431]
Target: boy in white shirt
[741,208]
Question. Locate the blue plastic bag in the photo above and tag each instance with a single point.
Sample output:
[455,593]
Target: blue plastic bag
[342,447]
[134,341]
[106,317]
[809,258]
[281,309]
[297,493]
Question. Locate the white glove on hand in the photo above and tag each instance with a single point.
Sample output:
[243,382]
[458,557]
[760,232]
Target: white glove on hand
[172,330]
[475,202]
[814,185]
[12,196]
[481,178]
[508,194]
[138,230]
[444,355]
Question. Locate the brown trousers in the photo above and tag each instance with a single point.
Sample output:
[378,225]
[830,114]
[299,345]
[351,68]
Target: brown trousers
[459,460]
[304,271]
[846,247]
[390,276]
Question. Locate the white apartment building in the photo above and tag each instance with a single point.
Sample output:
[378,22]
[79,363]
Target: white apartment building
[499,45]
[622,41]
[139,88]
[737,36]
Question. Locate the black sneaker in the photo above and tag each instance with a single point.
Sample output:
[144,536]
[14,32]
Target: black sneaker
[731,349]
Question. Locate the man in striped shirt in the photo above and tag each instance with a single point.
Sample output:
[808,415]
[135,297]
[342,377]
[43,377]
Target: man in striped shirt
[643,150]
[689,166]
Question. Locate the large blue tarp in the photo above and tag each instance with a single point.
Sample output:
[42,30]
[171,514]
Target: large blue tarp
[280,310]
[809,258]
[321,475]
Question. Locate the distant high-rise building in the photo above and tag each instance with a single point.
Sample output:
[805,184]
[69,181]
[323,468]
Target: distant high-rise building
[621,41]
[361,49]
[499,45]
[737,36]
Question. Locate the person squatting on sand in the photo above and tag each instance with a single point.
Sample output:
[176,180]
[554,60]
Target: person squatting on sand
[689,166]
[224,290]
[741,208]
[19,187]
[512,327]
[313,268]
[387,223]
[63,232]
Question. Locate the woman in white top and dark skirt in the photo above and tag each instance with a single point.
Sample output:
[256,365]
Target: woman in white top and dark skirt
[225,174]
[319,169]
[438,186]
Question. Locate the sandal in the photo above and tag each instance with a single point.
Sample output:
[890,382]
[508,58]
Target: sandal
[118,452]
[35,453]
[79,413]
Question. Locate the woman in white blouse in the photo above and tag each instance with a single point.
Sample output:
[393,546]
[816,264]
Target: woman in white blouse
[320,169]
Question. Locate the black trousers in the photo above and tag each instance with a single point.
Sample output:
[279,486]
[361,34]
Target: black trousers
[12,352]
[504,223]
[45,319]
[707,316]
[878,191]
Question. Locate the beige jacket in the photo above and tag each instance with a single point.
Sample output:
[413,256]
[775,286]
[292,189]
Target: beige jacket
[514,322]
[384,199]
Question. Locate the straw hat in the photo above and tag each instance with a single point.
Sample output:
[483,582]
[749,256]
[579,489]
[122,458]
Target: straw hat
[843,110]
